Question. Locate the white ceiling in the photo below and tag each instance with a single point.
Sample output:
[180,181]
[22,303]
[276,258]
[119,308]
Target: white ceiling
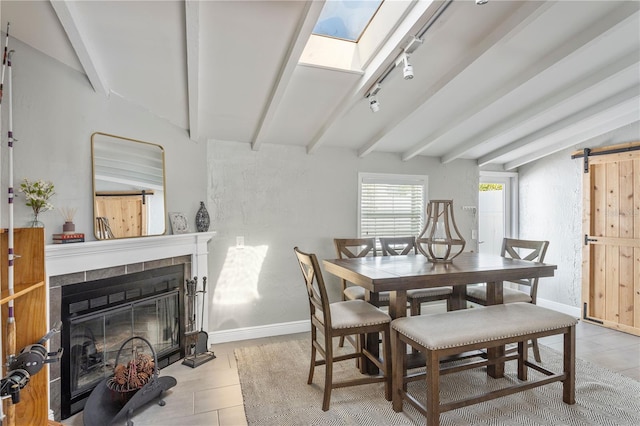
[504,83]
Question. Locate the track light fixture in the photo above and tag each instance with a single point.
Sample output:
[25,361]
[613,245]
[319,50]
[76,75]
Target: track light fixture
[407,68]
[481,2]
[374,104]
[373,100]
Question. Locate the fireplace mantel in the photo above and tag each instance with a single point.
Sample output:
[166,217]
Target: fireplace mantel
[69,258]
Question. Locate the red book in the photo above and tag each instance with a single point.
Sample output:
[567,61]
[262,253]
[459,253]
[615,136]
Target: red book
[73,236]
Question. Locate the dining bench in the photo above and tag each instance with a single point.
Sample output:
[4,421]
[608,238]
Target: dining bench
[439,337]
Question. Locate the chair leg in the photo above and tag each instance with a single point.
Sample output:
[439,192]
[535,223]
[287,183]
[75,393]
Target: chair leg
[415,307]
[536,350]
[328,374]
[386,351]
[341,342]
[313,355]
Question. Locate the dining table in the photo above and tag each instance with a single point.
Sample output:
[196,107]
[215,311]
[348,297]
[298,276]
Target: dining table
[397,274]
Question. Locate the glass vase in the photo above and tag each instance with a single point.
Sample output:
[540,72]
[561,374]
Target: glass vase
[35,223]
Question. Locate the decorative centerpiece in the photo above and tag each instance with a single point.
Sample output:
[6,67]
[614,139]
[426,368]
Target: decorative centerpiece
[37,194]
[436,241]
[128,378]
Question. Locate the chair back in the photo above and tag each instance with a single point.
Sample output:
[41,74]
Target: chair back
[531,250]
[316,289]
[355,247]
[394,246]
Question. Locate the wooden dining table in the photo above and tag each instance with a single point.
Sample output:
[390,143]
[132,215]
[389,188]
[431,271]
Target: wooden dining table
[397,274]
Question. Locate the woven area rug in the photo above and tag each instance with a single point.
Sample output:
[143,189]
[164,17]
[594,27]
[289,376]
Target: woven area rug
[273,378]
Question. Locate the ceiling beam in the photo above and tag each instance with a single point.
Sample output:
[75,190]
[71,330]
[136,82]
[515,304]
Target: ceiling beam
[627,118]
[587,37]
[518,20]
[192,30]
[546,107]
[415,19]
[588,118]
[68,17]
[303,32]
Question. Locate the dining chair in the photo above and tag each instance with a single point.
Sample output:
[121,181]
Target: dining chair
[338,319]
[394,246]
[349,248]
[531,250]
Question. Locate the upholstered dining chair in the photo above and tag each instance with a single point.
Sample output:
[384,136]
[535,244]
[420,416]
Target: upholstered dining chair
[394,246]
[516,249]
[339,319]
[347,248]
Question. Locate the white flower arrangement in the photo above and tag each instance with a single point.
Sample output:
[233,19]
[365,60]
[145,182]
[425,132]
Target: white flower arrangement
[37,194]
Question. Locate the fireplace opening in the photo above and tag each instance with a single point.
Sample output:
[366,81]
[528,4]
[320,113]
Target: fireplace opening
[98,316]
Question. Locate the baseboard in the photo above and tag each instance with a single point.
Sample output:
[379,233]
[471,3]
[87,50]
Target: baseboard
[280,329]
[257,332]
[560,307]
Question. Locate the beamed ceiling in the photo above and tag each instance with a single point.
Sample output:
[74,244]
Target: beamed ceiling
[504,83]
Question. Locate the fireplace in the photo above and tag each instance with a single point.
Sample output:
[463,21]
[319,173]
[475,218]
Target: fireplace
[98,316]
[72,265]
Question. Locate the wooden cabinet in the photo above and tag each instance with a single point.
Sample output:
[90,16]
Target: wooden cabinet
[31,317]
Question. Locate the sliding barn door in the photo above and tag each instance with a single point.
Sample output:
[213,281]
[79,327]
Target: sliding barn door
[126,215]
[611,225]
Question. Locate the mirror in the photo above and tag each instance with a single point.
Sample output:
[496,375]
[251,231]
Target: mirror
[128,187]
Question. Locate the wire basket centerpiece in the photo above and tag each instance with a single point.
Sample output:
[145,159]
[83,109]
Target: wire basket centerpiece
[440,237]
[128,378]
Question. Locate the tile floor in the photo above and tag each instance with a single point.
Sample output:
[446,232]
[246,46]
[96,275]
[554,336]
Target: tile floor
[210,395]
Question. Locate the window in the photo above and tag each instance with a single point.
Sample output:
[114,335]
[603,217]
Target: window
[346,19]
[391,205]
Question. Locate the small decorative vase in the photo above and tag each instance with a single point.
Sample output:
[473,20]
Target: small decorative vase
[68,227]
[35,223]
[202,218]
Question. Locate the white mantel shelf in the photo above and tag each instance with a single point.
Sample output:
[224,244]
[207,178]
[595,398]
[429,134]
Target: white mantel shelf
[69,258]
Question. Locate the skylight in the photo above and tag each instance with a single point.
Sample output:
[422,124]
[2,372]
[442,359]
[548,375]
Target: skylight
[346,19]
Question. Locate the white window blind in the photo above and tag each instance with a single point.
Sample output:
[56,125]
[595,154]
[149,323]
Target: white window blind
[391,205]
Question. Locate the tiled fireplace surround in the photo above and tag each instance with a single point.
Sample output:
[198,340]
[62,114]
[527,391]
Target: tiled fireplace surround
[69,264]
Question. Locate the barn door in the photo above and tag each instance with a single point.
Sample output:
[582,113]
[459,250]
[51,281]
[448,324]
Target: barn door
[611,228]
[126,215]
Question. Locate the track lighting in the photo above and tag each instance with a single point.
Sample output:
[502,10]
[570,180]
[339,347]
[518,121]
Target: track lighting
[374,104]
[373,100]
[480,2]
[407,68]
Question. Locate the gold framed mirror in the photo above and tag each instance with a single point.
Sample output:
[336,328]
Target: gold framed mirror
[128,187]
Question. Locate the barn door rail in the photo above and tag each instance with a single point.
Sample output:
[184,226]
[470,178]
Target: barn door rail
[588,152]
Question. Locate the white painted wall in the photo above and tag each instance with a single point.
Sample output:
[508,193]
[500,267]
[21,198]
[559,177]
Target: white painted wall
[280,197]
[551,208]
[55,112]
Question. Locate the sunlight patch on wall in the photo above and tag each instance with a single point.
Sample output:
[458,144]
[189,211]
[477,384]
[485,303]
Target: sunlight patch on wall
[238,281]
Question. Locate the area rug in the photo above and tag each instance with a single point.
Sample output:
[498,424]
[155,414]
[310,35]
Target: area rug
[273,378]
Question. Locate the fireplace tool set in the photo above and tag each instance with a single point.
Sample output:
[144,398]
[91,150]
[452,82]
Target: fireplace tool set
[196,342]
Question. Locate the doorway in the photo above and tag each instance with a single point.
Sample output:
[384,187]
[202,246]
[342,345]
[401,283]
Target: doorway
[497,210]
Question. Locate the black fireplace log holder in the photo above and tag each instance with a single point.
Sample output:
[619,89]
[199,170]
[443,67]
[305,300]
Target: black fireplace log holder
[104,408]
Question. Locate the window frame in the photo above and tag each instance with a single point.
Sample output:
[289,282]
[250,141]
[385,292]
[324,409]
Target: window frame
[392,178]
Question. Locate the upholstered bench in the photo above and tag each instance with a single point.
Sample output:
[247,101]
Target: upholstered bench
[441,336]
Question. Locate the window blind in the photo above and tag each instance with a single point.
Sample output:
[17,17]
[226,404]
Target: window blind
[391,205]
